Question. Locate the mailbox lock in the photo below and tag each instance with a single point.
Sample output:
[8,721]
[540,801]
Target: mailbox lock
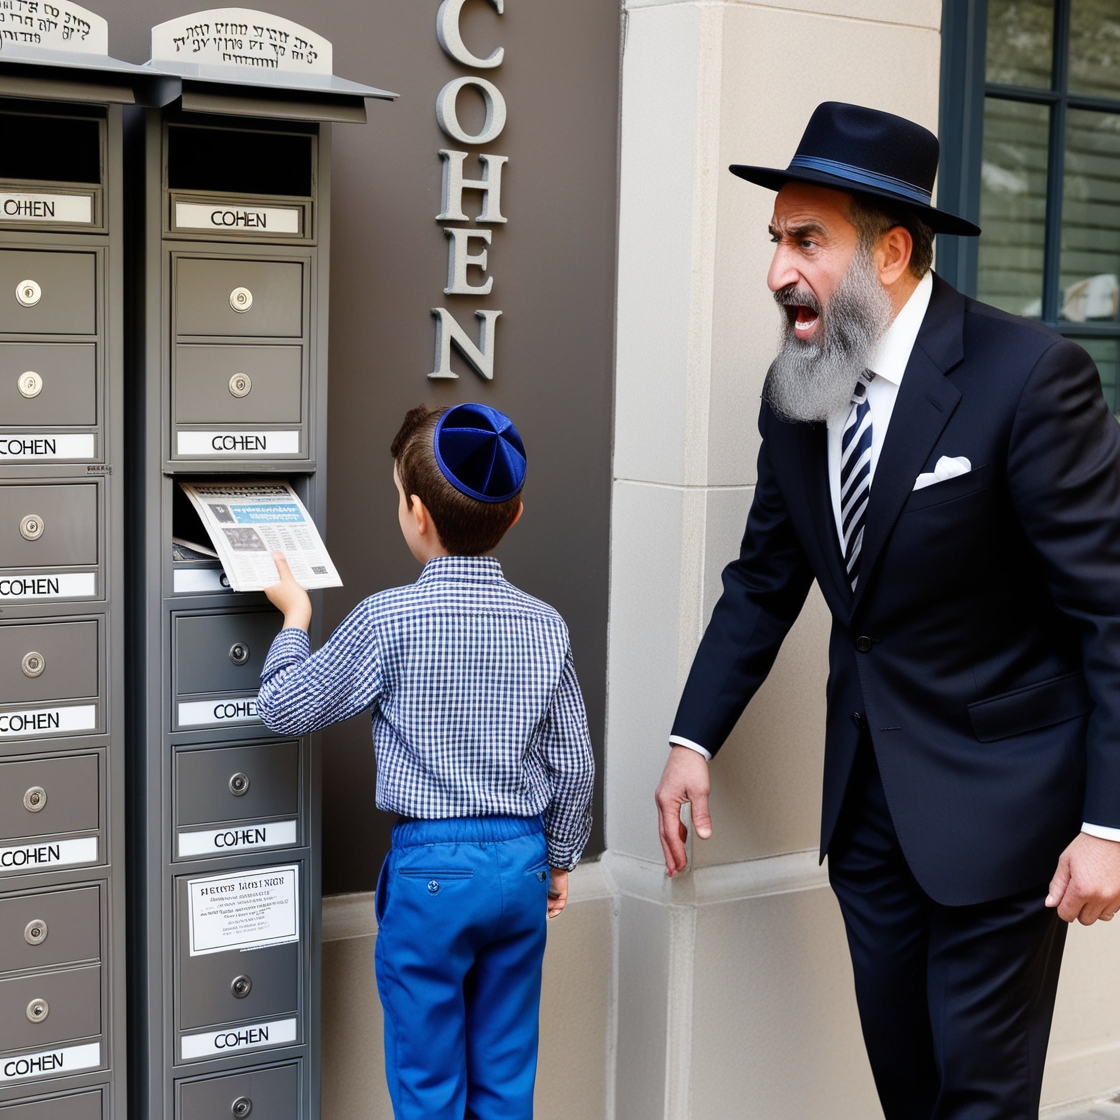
[30,384]
[241,1107]
[239,785]
[35,799]
[38,1010]
[240,987]
[240,384]
[240,299]
[28,293]
[35,932]
[31,527]
[239,653]
[33,664]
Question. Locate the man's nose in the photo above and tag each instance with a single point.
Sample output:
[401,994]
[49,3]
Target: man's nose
[782,272]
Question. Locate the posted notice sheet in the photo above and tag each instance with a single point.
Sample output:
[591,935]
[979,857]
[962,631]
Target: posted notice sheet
[244,909]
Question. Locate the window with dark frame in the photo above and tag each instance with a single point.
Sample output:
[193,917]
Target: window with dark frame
[1030,136]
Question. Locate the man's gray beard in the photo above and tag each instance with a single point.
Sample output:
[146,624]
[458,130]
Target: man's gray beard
[809,381]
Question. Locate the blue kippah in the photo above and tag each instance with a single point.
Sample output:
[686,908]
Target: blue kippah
[480,452]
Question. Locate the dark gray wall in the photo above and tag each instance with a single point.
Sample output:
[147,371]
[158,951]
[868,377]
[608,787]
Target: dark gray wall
[553,269]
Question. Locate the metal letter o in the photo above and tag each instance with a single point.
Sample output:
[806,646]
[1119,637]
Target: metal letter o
[448,117]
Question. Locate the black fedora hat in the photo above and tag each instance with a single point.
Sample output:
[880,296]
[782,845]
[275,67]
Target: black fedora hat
[864,151]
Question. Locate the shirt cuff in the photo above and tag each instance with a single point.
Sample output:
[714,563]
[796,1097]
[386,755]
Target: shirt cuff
[1102,831]
[681,741]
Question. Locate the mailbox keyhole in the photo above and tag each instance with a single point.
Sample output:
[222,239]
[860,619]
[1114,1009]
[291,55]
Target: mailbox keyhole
[38,1010]
[30,384]
[241,299]
[241,1107]
[240,987]
[31,527]
[28,293]
[35,932]
[33,664]
[239,653]
[35,799]
[239,785]
[240,384]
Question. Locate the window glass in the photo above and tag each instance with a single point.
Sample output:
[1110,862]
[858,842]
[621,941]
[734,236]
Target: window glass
[1106,353]
[1094,47]
[1021,41]
[1090,263]
[1013,206]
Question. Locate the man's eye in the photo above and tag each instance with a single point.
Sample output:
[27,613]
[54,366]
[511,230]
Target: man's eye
[808,244]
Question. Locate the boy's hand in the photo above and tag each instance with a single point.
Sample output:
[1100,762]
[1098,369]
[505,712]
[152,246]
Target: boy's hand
[289,597]
[557,891]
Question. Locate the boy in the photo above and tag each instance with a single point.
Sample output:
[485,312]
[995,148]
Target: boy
[482,747]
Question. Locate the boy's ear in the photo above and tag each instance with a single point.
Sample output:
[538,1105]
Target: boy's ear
[420,513]
[517,515]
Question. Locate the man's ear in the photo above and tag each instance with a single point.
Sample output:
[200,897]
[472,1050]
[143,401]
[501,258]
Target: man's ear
[893,254]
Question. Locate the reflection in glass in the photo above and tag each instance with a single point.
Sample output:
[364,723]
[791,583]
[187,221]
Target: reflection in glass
[1090,264]
[1094,47]
[1106,353]
[1013,206]
[1021,41]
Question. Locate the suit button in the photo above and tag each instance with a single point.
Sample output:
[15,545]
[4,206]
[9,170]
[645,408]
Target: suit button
[857,719]
[863,643]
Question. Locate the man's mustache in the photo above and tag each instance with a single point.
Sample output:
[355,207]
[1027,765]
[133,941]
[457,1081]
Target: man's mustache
[792,296]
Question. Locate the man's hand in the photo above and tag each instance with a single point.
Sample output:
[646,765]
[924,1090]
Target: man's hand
[557,891]
[289,597]
[684,780]
[1086,885]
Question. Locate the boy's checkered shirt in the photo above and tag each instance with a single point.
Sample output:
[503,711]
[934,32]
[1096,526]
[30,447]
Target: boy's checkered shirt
[476,707]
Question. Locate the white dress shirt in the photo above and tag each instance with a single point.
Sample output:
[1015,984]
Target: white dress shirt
[888,363]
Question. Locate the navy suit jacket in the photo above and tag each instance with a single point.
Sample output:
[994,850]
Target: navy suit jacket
[981,649]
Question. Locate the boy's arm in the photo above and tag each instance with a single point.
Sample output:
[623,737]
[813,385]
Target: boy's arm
[566,747]
[302,692]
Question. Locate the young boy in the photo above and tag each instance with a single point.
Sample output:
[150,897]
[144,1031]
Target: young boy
[482,748]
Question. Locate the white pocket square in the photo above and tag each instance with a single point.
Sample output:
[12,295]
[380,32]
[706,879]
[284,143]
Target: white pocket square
[945,469]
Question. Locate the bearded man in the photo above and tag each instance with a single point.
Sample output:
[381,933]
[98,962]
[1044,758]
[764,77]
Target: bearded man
[950,476]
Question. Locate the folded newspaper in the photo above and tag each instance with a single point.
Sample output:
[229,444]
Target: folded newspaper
[248,521]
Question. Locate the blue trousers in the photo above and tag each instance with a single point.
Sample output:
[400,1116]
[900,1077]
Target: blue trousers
[955,1001]
[461,910]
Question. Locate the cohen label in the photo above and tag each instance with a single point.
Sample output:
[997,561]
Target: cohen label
[46,447]
[51,1063]
[239,219]
[53,853]
[277,1033]
[242,838]
[237,443]
[66,585]
[214,713]
[25,206]
[48,721]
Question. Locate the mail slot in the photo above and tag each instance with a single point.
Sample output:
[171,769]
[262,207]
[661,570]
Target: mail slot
[223,652]
[238,384]
[48,661]
[75,1106]
[48,796]
[231,986]
[66,533]
[63,390]
[262,299]
[45,1008]
[272,1094]
[236,783]
[50,928]
[47,293]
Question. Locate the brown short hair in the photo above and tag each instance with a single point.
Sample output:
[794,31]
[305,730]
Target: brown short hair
[466,526]
[872,218]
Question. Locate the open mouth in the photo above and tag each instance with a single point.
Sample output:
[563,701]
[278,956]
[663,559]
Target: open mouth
[802,318]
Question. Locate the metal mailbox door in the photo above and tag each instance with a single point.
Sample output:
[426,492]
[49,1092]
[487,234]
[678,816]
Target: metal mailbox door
[272,1094]
[78,1106]
[238,384]
[48,526]
[48,661]
[49,796]
[237,783]
[47,293]
[73,1010]
[65,391]
[50,928]
[262,299]
[223,652]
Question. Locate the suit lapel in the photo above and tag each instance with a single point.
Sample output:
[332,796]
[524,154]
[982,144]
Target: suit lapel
[926,401]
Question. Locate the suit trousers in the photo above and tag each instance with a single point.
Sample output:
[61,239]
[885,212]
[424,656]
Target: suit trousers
[955,1001]
[461,909]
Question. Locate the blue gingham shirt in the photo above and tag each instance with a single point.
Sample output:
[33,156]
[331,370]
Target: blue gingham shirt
[476,707]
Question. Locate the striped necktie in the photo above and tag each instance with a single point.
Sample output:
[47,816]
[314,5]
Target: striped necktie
[855,475]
